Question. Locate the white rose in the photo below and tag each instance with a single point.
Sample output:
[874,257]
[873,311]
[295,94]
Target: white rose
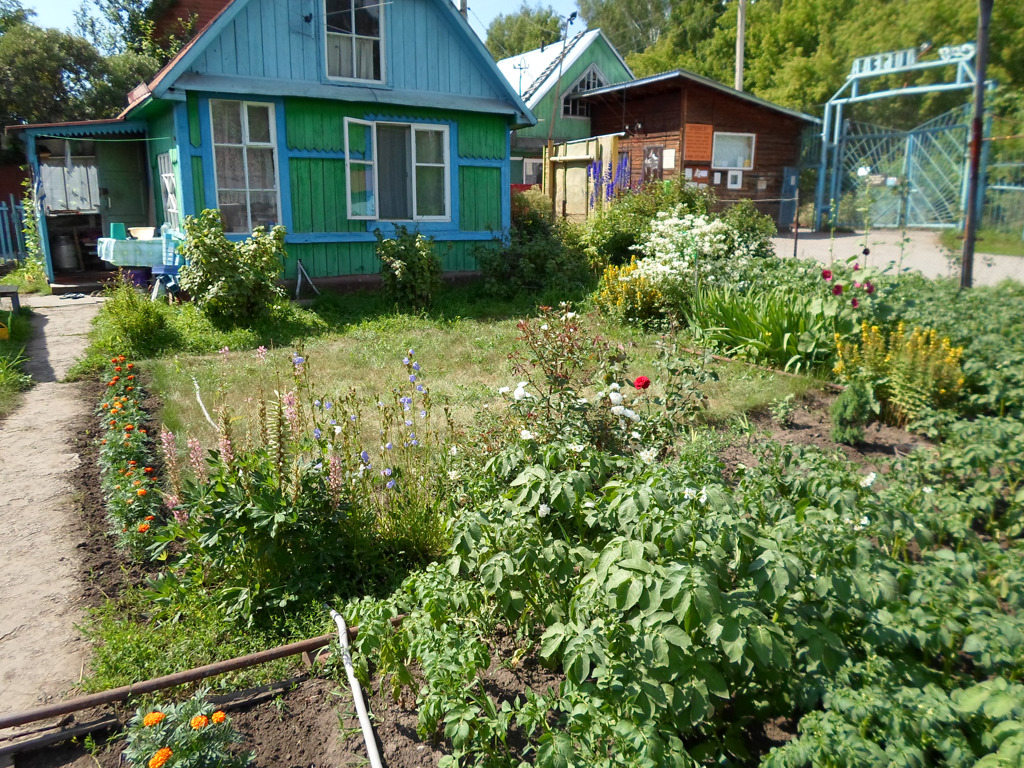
[526,434]
[615,397]
[618,410]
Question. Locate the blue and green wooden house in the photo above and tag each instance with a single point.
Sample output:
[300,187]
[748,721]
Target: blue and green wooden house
[335,118]
[551,80]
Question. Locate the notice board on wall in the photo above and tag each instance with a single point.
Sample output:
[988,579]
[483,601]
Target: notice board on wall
[698,140]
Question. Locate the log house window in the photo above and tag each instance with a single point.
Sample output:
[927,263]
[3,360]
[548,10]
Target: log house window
[733,151]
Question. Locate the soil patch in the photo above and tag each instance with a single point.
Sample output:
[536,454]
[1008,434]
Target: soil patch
[811,425]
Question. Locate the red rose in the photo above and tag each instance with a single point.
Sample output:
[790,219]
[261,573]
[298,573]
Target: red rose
[837,289]
[826,274]
[642,382]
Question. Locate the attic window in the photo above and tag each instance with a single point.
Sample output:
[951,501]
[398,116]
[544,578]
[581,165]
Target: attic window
[353,39]
[572,106]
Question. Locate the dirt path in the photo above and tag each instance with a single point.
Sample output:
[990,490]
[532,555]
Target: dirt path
[41,652]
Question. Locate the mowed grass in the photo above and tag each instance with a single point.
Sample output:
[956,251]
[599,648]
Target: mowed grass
[987,241]
[464,361]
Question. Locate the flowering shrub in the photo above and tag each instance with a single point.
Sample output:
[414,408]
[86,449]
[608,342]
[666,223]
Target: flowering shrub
[127,476]
[191,734]
[409,267]
[686,252]
[627,295]
[295,493]
[910,372]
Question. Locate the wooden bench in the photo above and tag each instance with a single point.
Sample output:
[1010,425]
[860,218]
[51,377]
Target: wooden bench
[11,292]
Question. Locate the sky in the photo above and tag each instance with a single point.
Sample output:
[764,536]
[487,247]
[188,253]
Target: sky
[60,13]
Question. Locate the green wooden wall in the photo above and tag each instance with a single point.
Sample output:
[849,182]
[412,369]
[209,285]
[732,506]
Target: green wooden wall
[568,128]
[315,144]
[161,139]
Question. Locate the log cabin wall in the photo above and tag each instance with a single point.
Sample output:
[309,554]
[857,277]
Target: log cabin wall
[657,115]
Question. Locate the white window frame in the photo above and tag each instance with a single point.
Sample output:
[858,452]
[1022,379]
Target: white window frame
[414,129]
[169,190]
[531,161]
[383,55]
[571,95]
[753,151]
[272,145]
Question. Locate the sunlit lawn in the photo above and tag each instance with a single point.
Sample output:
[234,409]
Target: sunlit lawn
[464,361]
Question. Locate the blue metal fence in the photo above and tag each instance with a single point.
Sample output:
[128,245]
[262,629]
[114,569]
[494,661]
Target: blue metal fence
[12,222]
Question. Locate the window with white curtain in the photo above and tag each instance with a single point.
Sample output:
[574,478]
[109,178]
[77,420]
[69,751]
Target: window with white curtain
[353,39]
[245,161]
[397,171]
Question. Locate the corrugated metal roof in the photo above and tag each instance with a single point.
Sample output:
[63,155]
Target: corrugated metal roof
[682,74]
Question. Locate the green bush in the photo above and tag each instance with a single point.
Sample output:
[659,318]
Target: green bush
[610,235]
[409,267]
[13,378]
[231,282]
[538,258]
[131,324]
[852,411]
[755,229]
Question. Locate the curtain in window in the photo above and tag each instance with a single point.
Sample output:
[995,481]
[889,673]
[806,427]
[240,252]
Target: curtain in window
[395,152]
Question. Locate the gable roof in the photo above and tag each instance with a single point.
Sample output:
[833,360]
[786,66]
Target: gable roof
[180,71]
[534,73]
[680,76]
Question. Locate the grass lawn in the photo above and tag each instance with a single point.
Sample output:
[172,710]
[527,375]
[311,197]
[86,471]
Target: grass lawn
[465,360]
[988,241]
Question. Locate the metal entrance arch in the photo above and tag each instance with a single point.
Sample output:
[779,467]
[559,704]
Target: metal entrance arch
[895,178]
[912,178]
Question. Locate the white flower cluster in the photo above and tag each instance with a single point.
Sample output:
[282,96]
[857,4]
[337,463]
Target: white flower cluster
[684,248]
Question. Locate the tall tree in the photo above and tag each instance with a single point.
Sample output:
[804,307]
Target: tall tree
[45,75]
[631,25]
[13,13]
[691,22]
[129,26]
[526,29]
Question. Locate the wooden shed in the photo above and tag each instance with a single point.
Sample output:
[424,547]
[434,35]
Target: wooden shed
[681,123]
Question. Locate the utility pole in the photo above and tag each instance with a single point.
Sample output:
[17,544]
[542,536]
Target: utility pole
[464,8]
[977,129]
[741,39]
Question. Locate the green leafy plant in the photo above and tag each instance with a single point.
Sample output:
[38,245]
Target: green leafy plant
[191,734]
[30,274]
[410,268]
[782,410]
[852,411]
[538,258]
[234,282]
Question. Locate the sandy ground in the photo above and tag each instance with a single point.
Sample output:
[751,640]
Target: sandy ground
[41,653]
[922,251]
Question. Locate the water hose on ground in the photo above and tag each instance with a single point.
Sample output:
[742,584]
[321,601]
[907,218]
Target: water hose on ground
[357,691]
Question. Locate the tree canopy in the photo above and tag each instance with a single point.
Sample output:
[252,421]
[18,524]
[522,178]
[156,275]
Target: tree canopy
[524,30]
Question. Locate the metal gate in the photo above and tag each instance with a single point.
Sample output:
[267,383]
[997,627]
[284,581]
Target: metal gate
[912,178]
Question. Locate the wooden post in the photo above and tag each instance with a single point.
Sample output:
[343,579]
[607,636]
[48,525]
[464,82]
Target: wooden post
[977,129]
[741,39]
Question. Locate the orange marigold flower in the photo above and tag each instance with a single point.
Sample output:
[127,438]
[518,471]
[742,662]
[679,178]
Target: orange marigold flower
[113,359]
[131,365]
[144,527]
[141,491]
[105,406]
[120,358]
[153,718]
[199,722]
[113,422]
[219,717]
[151,517]
[118,369]
[128,389]
[132,463]
[137,482]
[148,469]
[129,427]
[162,756]
[131,377]
[103,442]
[144,431]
